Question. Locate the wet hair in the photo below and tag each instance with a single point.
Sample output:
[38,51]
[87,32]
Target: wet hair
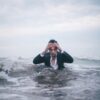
[52,41]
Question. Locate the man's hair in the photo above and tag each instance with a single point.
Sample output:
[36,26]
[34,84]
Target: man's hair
[52,41]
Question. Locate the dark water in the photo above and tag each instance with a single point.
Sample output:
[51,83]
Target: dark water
[21,80]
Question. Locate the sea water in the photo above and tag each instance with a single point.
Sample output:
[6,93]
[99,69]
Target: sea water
[21,80]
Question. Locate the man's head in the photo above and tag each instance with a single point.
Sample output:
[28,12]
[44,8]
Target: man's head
[52,41]
[53,47]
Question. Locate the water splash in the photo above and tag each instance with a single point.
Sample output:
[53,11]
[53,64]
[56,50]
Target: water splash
[25,81]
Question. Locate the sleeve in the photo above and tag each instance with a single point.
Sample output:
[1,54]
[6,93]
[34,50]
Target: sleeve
[38,59]
[67,58]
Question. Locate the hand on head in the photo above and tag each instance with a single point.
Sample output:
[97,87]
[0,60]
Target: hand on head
[52,45]
[48,46]
[58,46]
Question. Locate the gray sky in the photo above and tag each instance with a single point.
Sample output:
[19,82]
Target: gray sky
[27,25]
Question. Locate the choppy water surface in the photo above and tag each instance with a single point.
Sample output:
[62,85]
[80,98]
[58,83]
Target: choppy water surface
[21,80]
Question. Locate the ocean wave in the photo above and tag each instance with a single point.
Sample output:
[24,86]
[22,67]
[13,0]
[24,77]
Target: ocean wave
[26,80]
[88,59]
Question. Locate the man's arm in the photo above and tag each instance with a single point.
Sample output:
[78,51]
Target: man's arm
[67,58]
[38,59]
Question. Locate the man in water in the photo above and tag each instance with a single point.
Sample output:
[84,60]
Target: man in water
[53,56]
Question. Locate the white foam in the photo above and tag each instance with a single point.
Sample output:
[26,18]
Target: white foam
[11,96]
[5,76]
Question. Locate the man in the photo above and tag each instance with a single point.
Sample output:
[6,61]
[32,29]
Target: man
[53,56]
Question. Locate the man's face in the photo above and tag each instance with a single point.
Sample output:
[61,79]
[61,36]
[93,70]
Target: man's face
[53,50]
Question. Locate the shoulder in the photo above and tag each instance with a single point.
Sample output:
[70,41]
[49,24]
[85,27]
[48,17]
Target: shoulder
[62,52]
[47,54]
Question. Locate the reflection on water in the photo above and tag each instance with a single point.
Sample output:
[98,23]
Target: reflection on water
[54,78]
[78,81]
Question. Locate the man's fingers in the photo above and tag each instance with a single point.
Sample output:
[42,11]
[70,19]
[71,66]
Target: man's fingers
[50,45]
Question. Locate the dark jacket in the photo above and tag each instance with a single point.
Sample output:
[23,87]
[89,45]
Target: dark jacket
[61,59]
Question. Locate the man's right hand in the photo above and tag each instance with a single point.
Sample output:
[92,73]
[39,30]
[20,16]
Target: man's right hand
[47,48]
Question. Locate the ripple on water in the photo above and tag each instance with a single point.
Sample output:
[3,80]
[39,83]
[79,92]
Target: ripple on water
[27,82]
[54,78]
